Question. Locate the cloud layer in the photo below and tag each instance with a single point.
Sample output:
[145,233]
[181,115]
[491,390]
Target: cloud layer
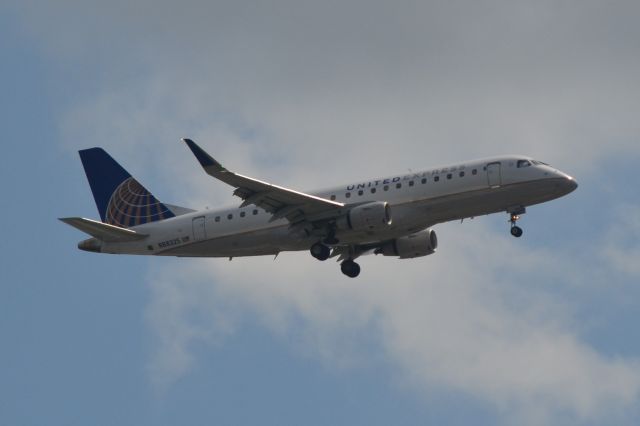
[313,80]
[461,320]
[315,93]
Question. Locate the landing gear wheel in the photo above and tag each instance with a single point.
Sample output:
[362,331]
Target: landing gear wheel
[320,251]
[350,268]
[516,231]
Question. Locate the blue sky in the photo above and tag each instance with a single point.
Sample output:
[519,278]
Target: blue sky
[489,330]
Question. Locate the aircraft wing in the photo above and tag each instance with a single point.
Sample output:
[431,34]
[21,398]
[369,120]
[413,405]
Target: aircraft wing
[279,201]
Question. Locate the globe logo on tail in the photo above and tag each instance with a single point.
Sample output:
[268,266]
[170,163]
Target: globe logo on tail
[131,204]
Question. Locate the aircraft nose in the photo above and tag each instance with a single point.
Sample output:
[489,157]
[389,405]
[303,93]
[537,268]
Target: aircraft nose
[570,183]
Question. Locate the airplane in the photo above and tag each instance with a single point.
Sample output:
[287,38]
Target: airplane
[389,216]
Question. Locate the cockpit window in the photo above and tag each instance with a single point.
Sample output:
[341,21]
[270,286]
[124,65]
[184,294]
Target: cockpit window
[523,163]
[539,163]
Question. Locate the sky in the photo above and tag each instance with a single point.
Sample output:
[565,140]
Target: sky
[489,330]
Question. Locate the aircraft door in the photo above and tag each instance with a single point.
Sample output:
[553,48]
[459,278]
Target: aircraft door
[199,230]
[494,174]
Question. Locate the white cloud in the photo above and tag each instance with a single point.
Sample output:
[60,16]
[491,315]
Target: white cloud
[621,247]
[323,80]
[461,319]
[180,319]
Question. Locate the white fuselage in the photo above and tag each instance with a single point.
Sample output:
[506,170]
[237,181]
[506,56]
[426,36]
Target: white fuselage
[418,201]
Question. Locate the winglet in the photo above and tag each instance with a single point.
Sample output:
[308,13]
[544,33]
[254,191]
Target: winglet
[205,159]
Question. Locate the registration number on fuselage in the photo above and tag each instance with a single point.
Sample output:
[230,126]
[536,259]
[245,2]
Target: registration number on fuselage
[169,243]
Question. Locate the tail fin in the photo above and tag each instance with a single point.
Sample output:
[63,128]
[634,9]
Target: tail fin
[121,200]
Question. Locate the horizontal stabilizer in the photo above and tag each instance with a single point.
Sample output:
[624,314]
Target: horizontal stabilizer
[102,231]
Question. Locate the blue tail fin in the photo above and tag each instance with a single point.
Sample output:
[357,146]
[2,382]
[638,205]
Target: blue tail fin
[120,199]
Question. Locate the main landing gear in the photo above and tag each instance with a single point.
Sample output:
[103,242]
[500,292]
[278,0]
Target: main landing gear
[516,231]
[320,251]
[348,267]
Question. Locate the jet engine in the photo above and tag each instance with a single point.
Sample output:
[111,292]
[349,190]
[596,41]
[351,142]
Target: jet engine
[420,244]
[372,216]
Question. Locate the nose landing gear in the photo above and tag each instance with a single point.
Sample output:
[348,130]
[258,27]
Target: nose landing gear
[516,231]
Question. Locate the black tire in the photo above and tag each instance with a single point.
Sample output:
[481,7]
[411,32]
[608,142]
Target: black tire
[350,268]
[516,231]
[320,251]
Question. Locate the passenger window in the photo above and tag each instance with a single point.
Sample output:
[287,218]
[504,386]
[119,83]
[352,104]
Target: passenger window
[398,185]
[449,176]
[242,214]
[461,174]
[229,216]
[373,190]
[217,219]
[474,171]
[360,192]
[436,178]
[410,183]
[348,195]
[255,212]
[424,180]
[333,197]
[386,187]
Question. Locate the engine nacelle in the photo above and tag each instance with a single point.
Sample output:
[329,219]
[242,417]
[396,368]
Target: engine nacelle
[372,216]
[420,244]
